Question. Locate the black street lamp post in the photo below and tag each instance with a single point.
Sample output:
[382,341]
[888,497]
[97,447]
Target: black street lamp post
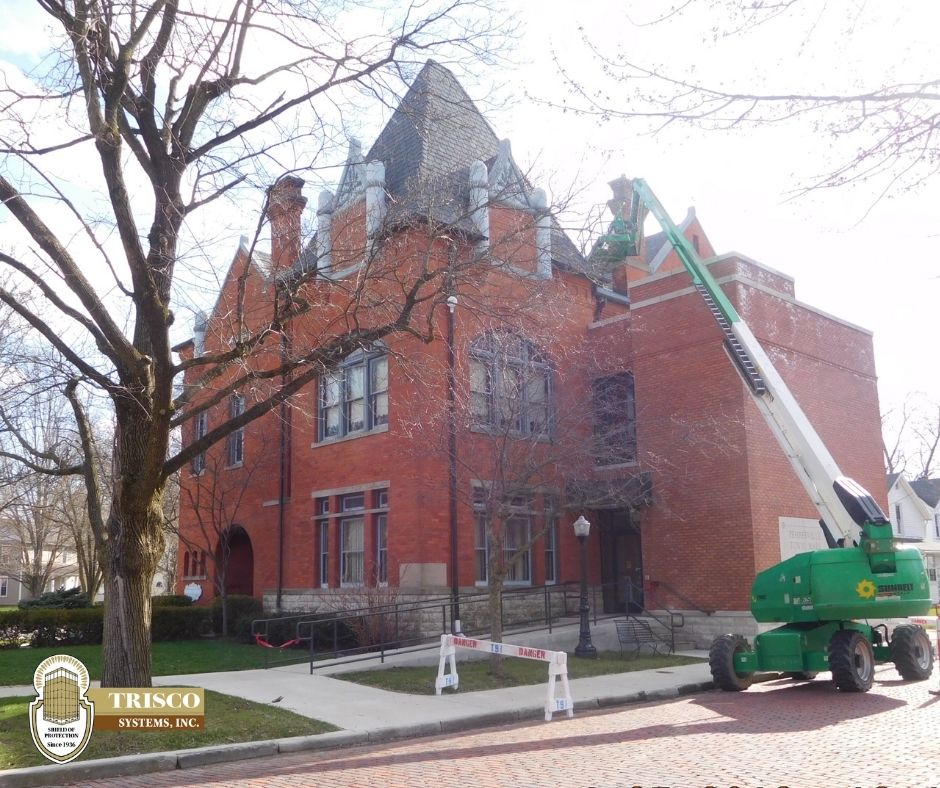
[585,647]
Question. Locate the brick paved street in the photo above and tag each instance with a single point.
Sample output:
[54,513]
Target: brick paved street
[775,734]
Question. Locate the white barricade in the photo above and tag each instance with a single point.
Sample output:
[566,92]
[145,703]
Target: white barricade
[557,667]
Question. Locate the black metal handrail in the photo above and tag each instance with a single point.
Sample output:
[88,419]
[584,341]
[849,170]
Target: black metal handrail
[652,591]
[676,621]
[366,631]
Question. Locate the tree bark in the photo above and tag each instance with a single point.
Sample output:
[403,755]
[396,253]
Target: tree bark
[134,546]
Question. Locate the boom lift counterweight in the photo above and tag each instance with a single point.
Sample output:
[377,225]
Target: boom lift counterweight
[818,596]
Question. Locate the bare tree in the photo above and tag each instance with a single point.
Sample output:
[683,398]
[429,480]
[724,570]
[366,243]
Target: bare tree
[911,436]
[536,443]
[889,126]
[48,513]
[178,107]
[81,538]
[213,498]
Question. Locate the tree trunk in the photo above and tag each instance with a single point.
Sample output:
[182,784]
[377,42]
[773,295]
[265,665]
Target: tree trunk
[496,623]
[133,549]
[135,545]
[224,614]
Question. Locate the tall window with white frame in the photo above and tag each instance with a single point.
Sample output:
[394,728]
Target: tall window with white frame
[200,428]
[352,540]
[354,398]
[936,525]
[4,586]
[236,440]
[510,385]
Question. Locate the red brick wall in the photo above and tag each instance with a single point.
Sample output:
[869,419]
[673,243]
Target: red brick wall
[720,482]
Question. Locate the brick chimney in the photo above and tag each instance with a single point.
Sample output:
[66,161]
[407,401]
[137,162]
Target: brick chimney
[285,205]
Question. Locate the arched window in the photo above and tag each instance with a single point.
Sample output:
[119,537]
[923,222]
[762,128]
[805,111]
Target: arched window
[510,384]
[354,398]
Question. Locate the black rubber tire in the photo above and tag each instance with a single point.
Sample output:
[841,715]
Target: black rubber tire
[802,675]
[721,662]
[912,652]
[852,661]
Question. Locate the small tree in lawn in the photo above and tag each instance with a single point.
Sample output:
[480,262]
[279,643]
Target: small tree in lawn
[213,497]
[531,433]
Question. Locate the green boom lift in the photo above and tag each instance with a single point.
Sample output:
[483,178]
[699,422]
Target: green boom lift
[821,599]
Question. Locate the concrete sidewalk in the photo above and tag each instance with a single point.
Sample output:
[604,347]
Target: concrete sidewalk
[368,715]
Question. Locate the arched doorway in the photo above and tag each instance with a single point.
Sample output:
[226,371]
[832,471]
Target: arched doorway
[240,570]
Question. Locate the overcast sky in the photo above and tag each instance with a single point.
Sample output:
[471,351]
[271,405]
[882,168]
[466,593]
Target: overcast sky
[869,261]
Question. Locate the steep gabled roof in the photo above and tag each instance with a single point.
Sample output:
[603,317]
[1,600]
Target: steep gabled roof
[435,130]
[928,490]
[427,149]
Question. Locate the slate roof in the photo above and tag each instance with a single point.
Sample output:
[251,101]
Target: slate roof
[427,148]
[928,490]
[435,131]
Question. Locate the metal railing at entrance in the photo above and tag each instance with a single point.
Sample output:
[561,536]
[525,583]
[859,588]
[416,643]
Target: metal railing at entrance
[367,632]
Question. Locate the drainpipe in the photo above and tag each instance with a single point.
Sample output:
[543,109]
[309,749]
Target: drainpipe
[282,474]
[452,458]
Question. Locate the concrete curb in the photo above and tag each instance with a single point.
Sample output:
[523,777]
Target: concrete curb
[135,765]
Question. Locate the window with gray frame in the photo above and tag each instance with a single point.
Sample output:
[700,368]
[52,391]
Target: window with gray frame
[551,550]
[236,439]
[354,398]
[352,541]
[381,549]
[200,428]
[510,384]
[614,410]
[516,535]
[323,538]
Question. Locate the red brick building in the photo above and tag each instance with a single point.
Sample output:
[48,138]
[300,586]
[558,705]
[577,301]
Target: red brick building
[541,385]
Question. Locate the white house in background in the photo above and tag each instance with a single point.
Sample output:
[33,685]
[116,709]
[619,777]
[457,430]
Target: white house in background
[914,509]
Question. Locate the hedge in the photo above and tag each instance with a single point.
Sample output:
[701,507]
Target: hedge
[80,626]
[178,623]
[242,610]
[171,600]
[65,627]
[11,628]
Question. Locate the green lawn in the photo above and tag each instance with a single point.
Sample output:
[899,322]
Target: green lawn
[475,675]
[228,720]
[170,658]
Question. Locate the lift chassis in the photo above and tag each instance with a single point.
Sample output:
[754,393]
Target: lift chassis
[821,599]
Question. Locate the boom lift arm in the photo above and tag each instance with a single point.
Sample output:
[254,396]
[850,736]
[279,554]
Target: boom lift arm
[814,465]
[816,596]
